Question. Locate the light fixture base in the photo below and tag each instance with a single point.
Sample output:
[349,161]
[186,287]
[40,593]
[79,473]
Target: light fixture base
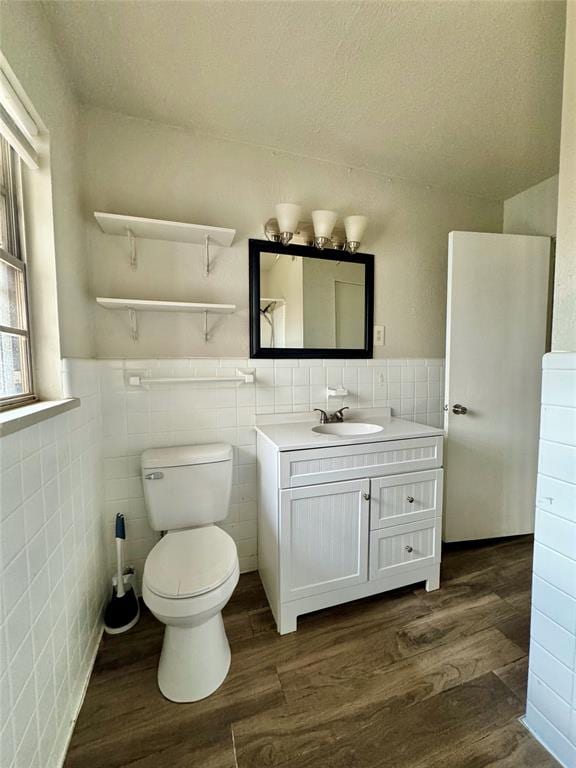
[321,242]
[353,245]
[285,237]
[271,235]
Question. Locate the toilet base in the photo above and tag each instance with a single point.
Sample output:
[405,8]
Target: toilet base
[194,661]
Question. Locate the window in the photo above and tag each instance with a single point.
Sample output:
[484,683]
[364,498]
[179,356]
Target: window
[15,358]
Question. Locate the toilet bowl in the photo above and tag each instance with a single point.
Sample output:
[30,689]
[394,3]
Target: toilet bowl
[191,573]
[189,577]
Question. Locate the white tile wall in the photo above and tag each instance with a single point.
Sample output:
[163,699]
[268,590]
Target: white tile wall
[53,576]
[63,481]
[176,414]
[551,708]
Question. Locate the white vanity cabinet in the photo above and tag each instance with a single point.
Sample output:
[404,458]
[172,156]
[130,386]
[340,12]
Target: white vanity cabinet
[340,522]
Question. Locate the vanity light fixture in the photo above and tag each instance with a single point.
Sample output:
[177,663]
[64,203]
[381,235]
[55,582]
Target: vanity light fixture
[323,222]
[355,227]
[288,216]
[322,234]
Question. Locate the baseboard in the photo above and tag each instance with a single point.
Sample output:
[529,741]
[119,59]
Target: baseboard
[60,762]
[542,742]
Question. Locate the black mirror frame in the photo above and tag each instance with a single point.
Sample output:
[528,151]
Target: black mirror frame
[256,247]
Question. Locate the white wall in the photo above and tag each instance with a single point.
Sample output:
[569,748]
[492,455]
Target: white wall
[564,325]
[53,575]
[551,707]
[178,414]
[147,169]
[27,47]
[534,211]
[52,558]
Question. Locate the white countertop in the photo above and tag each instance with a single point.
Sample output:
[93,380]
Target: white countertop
[297,434]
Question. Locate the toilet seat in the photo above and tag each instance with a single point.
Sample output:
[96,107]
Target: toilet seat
[190,563]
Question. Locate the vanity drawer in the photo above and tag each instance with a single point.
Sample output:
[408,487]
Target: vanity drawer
[409,498]
[404,547]
[352,462]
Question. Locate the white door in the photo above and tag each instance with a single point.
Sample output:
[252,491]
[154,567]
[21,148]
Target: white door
[496,337]
[323,538]
[349,308]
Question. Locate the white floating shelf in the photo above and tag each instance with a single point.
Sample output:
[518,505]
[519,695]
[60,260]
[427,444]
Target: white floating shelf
[144,305]
[132,306]
[159,229]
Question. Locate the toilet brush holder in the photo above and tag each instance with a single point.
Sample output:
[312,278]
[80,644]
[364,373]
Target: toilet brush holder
[123,609]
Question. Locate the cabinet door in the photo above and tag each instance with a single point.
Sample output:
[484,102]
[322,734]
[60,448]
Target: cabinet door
[323,538]
[408,498]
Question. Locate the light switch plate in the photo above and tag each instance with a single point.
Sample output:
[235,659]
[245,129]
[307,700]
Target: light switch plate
[378,335]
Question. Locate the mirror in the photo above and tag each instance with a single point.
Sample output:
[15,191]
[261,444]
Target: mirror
[305,302]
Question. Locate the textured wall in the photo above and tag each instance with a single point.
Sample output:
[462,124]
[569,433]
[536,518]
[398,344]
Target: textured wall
[564,328]
[146,169]
[534,211]
[26,43]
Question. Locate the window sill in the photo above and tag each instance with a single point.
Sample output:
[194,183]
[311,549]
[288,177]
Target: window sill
[19,418]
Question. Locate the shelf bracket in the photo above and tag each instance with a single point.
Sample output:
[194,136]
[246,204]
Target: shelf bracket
[133,325]
[207,256]
[132,246]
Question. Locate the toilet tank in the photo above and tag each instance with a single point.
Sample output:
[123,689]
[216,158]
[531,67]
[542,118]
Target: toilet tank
[187,485]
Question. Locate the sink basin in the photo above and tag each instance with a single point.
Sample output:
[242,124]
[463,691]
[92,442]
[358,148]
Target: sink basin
[347,429]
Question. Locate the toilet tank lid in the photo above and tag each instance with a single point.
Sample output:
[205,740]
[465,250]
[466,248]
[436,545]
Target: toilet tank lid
[186,455]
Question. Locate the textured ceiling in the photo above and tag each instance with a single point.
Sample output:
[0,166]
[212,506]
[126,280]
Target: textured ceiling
[462,94]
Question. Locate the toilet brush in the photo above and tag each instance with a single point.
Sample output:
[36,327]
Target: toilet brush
[123,610]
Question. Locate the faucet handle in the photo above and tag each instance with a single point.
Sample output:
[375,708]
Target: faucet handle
[340,413]
[323,415]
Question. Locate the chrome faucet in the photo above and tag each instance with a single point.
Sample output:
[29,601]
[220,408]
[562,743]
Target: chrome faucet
[331,418]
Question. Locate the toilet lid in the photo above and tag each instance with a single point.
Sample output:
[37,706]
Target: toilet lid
[188,563]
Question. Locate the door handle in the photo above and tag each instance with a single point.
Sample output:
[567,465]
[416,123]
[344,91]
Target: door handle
[154,476]
[459,410]
[366,496]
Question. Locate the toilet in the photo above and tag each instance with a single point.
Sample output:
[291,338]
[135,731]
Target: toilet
[191,573]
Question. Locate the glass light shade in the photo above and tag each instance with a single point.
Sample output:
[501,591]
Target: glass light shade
[288,216]
[324,222]
[355,227]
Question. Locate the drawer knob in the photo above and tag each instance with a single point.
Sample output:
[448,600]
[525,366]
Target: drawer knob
[366,496]
[408,548]
[410,499]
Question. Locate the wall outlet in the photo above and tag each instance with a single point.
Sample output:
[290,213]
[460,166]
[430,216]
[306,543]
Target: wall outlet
[378,335]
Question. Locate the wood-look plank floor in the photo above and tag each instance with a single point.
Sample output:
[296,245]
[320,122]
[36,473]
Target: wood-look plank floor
[404,680]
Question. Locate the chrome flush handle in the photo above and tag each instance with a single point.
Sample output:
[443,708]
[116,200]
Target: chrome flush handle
[154,476]
[459,410]
[366,496]
[410,499]
[408,548]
